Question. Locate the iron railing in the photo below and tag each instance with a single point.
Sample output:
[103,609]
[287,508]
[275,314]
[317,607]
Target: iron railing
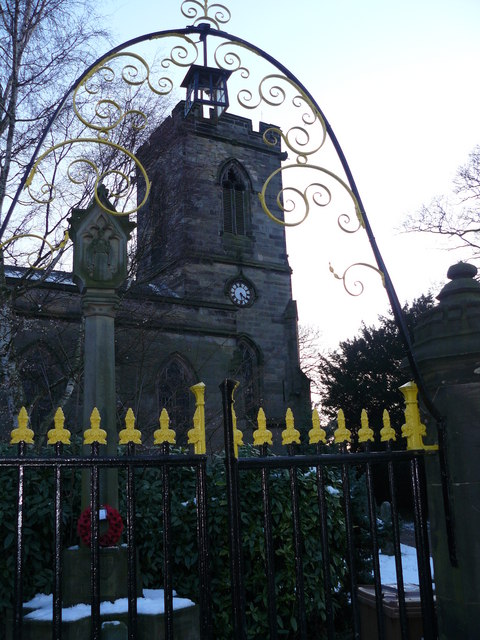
[95,463]
[266,465]
[319,463]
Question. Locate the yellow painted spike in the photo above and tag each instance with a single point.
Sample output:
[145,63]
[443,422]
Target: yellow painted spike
[341,434]
[95,434]
[22,433]
[164,434]
[262,435]
[365,433]
[130,434]
[290,435]
[413,429]
[237,434]
[387,432]
[316,433]
[58,433]
[196,436]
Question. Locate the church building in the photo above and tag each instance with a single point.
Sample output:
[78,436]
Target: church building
[211,299]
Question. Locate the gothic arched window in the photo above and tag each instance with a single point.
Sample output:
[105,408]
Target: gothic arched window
[248,374]
[43,379]
[173,392]
[236,199]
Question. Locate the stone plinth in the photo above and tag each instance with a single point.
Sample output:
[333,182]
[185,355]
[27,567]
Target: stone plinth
[113,575]
[185,626]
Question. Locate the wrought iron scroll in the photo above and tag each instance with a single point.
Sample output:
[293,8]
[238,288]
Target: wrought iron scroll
[303,140]
[99,117]
[215,15]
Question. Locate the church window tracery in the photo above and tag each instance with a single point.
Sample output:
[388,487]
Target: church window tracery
[174,381]
[248,374]
[236,199]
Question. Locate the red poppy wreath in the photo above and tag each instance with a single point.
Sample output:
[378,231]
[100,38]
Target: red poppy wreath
[110,537]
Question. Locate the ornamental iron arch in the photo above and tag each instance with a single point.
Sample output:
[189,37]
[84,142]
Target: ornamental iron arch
[274,89]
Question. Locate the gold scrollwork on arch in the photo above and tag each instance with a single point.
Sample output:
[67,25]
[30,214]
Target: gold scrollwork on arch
[100,177]
[103,114]
[303,140]
[274,90]
[135,72]
[357,287]
[215,14]
[226,57]
[34,258]
[100,106]
[299,139]
[317,193]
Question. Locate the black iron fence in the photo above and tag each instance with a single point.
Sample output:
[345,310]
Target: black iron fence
[164,462]
[344,461]
[311,579]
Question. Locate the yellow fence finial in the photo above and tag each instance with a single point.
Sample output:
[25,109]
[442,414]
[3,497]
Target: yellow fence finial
[95,434]
[22,433]
[290,435]
[196,436]
[341,433]
[130,434]
[164,435]
[237,434]
[365,433]
[387,432]
[262,435]
[413,429]
[58,433]
[316,433]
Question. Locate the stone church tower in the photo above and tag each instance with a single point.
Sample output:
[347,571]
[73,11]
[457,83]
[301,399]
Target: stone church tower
[205,242]
[212,298]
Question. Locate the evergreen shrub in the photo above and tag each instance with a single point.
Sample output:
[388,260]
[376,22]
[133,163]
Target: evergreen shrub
[185,552]
[38,530]
[39,548]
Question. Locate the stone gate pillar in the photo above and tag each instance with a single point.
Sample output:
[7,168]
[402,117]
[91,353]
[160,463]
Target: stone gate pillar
[447,347]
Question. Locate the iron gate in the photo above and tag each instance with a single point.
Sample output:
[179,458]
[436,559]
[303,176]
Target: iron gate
[318,463]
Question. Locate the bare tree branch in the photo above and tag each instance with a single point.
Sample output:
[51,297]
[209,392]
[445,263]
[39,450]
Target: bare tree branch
[456,217]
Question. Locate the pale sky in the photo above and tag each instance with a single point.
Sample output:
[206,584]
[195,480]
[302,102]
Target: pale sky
[399,83]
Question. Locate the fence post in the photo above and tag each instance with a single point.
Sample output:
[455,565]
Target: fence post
[447,347]
[231,471]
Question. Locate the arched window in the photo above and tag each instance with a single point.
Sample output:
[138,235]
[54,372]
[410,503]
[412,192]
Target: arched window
[248,374]
[43,380]
[236,199]
[173,392]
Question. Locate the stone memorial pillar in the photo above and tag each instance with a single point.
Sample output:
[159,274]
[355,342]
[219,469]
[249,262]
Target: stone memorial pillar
[447,347]
[99,269]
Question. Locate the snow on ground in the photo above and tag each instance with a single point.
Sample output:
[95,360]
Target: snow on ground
[152,603]
[409,566]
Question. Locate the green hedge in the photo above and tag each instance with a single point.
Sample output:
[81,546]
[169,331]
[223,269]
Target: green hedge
[184,553]
[39,527]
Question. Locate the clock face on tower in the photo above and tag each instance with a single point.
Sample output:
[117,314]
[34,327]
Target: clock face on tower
[241,293]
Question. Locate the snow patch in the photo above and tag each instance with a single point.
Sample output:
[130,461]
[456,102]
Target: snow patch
[388,573]
[332,491]
[151,604]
